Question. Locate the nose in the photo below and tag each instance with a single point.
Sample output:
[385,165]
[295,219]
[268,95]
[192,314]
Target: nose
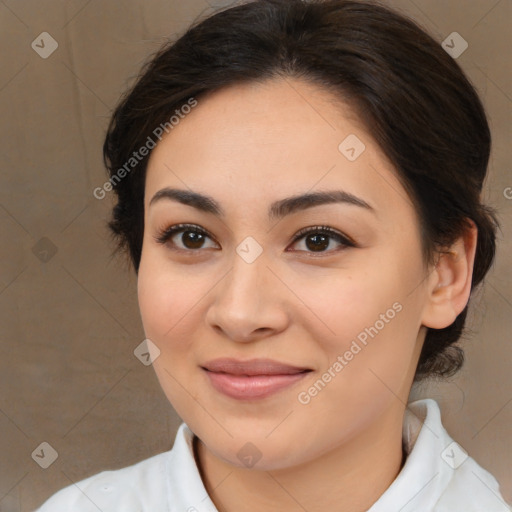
[249,302]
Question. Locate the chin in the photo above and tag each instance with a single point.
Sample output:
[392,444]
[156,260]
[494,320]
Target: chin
[255,451]
[259,457]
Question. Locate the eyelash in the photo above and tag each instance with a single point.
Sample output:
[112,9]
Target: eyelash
[165,234]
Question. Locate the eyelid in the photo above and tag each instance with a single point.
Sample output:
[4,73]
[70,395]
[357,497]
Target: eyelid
[165,233]
[326,230]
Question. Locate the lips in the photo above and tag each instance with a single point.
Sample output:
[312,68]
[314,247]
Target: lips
[253,379]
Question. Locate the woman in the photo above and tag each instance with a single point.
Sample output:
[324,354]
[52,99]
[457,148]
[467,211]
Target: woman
[298,190]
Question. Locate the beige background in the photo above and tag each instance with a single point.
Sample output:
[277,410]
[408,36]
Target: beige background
[69,317]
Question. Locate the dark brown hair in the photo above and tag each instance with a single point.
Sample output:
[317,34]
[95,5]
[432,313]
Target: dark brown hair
[411,95]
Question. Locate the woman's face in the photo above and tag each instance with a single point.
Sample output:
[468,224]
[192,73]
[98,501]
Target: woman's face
[319,334]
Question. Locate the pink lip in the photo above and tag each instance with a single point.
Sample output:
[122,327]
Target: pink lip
[254,379]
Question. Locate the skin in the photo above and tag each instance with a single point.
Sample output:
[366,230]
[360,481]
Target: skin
[247,146]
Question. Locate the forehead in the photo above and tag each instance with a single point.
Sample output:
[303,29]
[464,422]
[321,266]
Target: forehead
[282,137]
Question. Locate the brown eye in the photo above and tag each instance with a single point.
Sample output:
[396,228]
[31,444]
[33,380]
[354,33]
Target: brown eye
[317,242]
[192,237]
[318,239]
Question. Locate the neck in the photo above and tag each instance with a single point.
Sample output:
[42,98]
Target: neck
[351,477]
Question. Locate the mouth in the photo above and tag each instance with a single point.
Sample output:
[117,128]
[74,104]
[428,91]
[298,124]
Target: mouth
[253,379]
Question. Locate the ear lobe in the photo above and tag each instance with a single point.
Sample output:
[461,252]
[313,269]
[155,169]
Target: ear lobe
[449,284]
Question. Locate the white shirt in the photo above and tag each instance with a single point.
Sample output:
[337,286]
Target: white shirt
[438,476]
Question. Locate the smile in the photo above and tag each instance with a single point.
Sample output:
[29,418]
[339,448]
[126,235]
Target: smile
[252,380]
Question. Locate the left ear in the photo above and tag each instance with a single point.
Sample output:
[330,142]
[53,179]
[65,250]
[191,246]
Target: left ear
[449,283]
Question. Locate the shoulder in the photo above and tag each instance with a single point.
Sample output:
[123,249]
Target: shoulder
[134,488]
[470,488]
[438,474]
[461,482]
[151,485]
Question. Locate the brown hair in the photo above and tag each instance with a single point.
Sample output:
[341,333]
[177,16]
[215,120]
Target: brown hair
[412,96]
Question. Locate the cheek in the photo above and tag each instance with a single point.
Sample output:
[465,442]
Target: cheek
[369,319]
[155,301]
[367,368]
[340,307]
[169,309]
[167,298]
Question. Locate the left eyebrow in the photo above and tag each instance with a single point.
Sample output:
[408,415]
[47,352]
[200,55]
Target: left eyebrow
[289,205]
[277,209]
